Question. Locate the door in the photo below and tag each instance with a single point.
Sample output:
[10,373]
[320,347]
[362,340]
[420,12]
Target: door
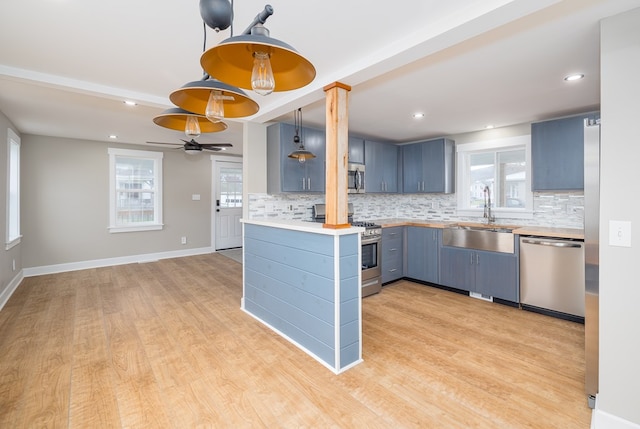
[228,205]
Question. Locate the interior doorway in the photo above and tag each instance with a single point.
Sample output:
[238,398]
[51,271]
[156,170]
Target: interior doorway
[227,210]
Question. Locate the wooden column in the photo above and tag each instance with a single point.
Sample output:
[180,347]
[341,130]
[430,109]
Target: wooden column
[337,118]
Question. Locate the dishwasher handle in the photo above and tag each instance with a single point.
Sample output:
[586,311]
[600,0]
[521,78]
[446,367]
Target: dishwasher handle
[569,244]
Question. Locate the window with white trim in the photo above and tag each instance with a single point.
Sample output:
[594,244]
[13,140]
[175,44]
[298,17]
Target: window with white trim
[13,190]
[135,189]
[503,168]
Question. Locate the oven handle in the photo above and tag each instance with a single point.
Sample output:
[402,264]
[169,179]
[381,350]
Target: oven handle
[369,240]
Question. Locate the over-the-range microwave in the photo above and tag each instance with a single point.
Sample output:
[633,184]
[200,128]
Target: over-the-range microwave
[355,178]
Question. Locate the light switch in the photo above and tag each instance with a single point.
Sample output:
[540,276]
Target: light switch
[195,197]
[619,233]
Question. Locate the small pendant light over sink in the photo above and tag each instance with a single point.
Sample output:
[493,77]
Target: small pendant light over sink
[301,154]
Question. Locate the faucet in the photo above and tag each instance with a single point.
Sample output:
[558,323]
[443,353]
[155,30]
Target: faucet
[487,205]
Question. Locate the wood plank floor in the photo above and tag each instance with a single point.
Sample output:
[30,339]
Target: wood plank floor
[165,345]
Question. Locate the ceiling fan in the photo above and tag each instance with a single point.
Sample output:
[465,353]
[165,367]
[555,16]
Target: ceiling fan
[192,147]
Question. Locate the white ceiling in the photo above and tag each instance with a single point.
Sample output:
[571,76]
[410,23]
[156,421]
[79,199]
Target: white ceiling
[67,65]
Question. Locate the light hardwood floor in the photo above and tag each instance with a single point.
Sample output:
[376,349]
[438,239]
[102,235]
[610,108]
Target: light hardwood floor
[165,345]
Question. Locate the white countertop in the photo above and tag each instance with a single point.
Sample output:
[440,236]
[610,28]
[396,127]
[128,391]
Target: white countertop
[298,225]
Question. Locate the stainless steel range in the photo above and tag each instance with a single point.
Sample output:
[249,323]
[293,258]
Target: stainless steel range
[371,240]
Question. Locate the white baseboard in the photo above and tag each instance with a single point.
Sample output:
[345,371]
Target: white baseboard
[603,420]
[97,263]
[10,289]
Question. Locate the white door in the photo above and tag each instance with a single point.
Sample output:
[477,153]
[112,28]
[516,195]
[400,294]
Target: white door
[228,204]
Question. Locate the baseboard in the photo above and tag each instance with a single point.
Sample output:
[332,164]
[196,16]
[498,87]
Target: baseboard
[98,263]
[604,420]
[10,289]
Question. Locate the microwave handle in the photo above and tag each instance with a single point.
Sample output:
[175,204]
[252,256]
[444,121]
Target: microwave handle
[358,180]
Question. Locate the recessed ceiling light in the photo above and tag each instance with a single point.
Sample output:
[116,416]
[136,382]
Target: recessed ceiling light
[113,136]
[488,127]
[418,115]
[572,77]
[130,103]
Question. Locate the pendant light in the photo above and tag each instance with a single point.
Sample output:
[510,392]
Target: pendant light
[214,99]
[192,124]
[254,60]
[301,154]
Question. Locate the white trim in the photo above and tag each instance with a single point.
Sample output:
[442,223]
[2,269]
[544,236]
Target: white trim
[107,262]
[10,289]
[12,138]
[603,420]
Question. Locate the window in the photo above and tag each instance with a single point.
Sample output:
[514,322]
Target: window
[502,168]
[230,187]
[13,190]
[135,186]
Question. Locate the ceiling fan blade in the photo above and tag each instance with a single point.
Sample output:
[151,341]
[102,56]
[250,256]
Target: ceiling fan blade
[212,149]
[171,144]
[218,145]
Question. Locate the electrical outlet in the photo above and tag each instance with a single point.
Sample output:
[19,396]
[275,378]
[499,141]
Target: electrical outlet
[183,240]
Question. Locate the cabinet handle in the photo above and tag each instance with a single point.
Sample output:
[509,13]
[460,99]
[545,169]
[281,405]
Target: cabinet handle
[309,183]
[303,184]
[477,259]
[393,250]
[471,259]
[393,270]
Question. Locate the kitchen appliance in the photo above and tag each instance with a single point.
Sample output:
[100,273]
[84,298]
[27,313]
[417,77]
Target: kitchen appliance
[552,277]
[371,243]
[592,259]
[355,178]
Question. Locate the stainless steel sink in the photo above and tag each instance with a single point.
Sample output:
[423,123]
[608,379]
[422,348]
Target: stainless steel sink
[491,238]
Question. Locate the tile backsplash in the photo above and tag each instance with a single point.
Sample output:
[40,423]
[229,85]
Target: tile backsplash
[558,209]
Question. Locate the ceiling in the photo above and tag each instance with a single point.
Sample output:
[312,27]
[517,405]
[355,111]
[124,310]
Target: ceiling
[66,66]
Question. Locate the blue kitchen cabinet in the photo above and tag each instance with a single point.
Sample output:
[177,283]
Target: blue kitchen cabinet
[381,174]
[356,150]
[286,174]
[392,253]
[429,167]
[423,253]
[487,273]
[557,153]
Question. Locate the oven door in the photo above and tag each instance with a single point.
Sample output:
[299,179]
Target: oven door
[371,258]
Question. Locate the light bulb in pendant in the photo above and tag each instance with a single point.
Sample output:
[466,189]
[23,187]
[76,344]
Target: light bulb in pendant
[192,128]
[215,107]
[262,80]
[302,159]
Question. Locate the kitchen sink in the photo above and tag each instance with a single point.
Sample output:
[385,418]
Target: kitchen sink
[479,237]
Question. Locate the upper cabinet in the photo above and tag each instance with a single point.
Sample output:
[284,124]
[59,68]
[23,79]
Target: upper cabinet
[286,174]
[356,150]
[381,167]
[557,153]
[429,167]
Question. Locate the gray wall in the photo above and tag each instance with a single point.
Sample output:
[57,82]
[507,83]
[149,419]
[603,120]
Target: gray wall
[65,203]
[620,152]
[7,273]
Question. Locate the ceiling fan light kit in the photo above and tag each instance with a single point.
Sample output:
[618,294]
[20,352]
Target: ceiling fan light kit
[253,60]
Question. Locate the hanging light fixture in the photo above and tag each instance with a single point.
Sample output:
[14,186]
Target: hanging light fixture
[257,61]
[214,99]
[192,124]
[301,154]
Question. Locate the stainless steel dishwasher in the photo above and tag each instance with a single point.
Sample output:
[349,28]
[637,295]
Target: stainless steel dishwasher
[552,276]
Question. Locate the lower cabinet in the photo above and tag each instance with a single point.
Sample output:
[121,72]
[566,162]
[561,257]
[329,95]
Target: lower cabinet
[488,273]
[423,248]
[392,253]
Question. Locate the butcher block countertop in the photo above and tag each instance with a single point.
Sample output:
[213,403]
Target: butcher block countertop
[541,231]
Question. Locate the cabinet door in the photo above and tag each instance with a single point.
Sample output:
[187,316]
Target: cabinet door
[457,268]
[433,166]
[496,275]
[392,253]
[432,254]
[557,154]
[315,142]
[293,174]
[356,150]
[412,168]
[389,157]
[416,243]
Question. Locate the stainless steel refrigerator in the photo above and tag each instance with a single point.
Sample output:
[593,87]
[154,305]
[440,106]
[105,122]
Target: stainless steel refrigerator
[592,258]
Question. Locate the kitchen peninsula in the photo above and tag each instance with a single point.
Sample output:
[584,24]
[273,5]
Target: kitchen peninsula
[303,281]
